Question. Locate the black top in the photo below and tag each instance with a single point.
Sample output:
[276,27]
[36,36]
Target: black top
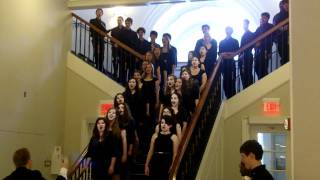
[134,103]
[168,59]
[228,45]
[24,173]
[101,152]
[260,173]
[143,46]
[130,38]
[117,33]
[129,126]
[163,144]
[190,92]
[181,116]
[149,90]
[246,38]
[266,43]
[100,25]
[284,31]
[198,77]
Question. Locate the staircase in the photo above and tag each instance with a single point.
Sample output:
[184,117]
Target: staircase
[193,143]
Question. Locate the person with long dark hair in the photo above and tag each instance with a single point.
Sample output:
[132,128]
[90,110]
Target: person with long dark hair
[180,115]
[113,129]
[102,150]
[198,74]
[163,149]
[189,91]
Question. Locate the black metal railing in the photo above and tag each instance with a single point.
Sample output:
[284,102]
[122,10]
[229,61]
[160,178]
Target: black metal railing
[81,169]
[194,141]
[103,52]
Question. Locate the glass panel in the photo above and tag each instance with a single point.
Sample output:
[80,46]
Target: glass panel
[274,157]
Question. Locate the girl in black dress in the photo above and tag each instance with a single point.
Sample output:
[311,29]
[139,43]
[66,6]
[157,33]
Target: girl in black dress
[120,138]
[180,115]
[178,85]
[102,151]
[189,91]
[163,149]
[165,94]
[198,74]
[137,75]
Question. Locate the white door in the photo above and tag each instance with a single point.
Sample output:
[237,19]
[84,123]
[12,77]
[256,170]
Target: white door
[274,140]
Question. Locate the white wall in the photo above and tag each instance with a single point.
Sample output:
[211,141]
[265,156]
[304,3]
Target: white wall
[305,88]
[35,37]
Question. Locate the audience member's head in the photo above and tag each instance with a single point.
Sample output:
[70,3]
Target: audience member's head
[265,16]
[22,158]
[99,13]
[251,154]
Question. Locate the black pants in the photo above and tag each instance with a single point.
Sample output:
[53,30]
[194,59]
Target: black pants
[98,53]
[261,63]
[229,77]
[245,67]
[283,48]
[115,61]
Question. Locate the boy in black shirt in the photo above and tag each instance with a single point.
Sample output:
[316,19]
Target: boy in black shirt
[251,154]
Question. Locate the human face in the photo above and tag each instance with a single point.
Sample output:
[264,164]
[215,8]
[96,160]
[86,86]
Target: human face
[121,109]
[245,25]
[264,20]
[149,57]
[120,21]
[137,76]
[156,52]
[246,160]
[148,69]
[190,55]
[99,13]
[166,112]
[164,126]
[205,30]
[140,34]
[165,41]
[203,51]
[153,37]
[229,31]
[174,100]
[120,98]
[132,84]
[285,6]
[111,114]
[101,125]
[195,62]
[128,24]
[178,84]
[170,81]
[185,75]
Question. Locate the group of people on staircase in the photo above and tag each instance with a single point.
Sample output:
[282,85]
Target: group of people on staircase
[158,106]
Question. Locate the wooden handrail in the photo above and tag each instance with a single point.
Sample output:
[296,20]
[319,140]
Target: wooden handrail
[186,138]
[114,40]
[76,164]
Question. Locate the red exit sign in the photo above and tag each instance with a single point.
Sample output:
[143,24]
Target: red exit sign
[104,108]
[271,106]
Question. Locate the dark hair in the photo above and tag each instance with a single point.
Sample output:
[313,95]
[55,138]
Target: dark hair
[266,14]
[115,129]
[123,119]
[128,91]
[99,9]
[167,119]
[205,26]
[129,19]
[141,29]
[154,33]
[115,102]
[180,99]
[95,132]
[167,35]
[252,146]
[21,157]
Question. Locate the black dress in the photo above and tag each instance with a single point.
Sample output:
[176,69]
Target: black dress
[162,157]
[101,153]
[198,77]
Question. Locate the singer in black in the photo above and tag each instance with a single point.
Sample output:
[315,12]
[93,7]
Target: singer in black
[98,40]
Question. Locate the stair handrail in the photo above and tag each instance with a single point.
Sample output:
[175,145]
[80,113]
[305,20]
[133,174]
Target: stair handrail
[114,40]
[77,163]
[186,138]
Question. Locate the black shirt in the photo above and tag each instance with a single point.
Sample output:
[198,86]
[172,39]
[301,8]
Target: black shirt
[100,25]
[130,38]
[143,46]
[246,38]
[266,43]
[260,173]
